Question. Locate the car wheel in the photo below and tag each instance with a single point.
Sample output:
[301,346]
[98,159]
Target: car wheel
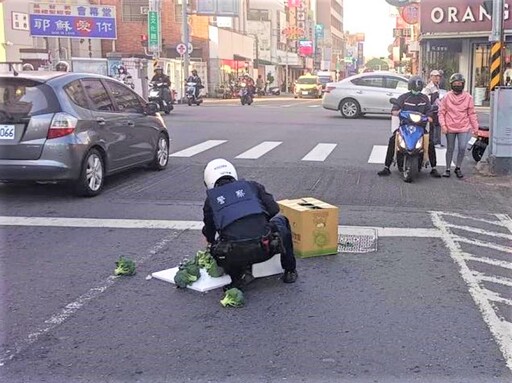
[350,108]
[92,175]
[161,157]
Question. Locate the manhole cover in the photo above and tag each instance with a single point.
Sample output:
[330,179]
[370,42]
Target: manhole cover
[357,243]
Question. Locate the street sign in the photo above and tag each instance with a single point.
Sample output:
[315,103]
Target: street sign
[72,21]
[181,49]
[153,31]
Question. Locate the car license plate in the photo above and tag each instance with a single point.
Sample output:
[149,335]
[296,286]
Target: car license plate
[305,92]
[7,132]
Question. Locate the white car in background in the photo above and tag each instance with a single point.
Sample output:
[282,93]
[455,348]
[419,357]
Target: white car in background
[364,93]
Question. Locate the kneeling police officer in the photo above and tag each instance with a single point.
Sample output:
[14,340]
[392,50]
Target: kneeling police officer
[247,220]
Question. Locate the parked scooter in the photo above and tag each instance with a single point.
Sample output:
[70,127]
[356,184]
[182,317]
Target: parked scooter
[410,141]
[156,95]
[245,95]
[274,91]
[191,94]
[478,144]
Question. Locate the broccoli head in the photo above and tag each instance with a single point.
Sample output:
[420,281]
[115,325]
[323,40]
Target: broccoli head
[124,266]
[183,278]
[233,298]
[206,261]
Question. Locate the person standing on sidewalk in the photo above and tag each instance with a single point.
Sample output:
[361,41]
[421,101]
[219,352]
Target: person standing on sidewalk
[432,91]
[458,118]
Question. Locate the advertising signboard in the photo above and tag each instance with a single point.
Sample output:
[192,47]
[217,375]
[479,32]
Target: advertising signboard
[459,16]
[305,48]
[72,21]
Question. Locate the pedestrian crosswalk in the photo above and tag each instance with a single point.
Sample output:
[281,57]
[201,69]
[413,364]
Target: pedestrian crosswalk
[315,152]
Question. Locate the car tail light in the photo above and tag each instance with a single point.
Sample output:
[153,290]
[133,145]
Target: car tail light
[62,125]
[329,88]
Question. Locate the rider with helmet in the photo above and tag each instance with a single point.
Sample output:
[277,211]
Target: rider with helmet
[62,66]
[458,118]
[248,224]
[412,101]
[27,67]
[161,77]
[194,77]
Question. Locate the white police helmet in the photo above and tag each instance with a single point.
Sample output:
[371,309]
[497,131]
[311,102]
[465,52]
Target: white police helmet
[62,66]
[216,169]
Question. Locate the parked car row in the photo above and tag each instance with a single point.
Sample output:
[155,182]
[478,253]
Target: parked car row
[78,128]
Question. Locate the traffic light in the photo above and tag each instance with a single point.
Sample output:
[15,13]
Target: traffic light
[144,40]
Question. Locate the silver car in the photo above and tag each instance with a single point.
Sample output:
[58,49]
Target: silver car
[57,126]
[364,93]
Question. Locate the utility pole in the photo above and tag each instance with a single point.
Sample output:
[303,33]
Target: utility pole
[186,40]
[286,69]
[497,39]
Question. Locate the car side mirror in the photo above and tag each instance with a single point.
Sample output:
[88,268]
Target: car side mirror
[152,108]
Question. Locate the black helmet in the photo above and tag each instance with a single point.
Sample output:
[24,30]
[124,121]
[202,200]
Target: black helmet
[416,84]
[457,77]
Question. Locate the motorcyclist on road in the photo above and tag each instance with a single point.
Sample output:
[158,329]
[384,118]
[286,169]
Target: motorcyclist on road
[413,101]
[248,224]
[197,80]
[249,83]
[161,78]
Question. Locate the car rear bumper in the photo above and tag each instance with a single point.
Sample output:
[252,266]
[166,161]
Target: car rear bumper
[330,102]
[36,170]
[57,163]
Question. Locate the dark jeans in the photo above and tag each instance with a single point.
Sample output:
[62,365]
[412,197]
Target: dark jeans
[400,161]
[282,225]
[166,94]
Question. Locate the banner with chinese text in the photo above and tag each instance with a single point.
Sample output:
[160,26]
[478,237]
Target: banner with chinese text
[74,21]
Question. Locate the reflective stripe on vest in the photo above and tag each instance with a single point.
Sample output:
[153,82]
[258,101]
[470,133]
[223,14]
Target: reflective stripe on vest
[233,201]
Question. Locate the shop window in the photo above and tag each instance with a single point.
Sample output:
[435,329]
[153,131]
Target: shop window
[481,73]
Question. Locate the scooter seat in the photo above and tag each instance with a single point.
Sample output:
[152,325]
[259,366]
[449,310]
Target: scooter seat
[484,128]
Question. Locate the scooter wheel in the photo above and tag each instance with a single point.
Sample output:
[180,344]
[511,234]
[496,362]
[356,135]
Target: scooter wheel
[477,152]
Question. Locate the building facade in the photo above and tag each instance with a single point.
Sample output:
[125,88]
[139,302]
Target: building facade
[455,38]
[330,16]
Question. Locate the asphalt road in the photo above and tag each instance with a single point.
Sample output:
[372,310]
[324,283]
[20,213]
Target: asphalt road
[432,303]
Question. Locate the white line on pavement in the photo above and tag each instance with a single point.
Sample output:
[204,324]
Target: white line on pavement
[480,231]
[500,329]
[499,223]
[378,155]
[71,308]
[195,225]
[319,152]
[196,149]
[489,261]
[259,150]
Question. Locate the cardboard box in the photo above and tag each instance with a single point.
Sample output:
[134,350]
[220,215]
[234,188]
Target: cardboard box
[314,226]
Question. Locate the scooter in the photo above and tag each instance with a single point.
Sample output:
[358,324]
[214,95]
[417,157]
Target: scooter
[245,95]
[478,144]
[410,139]
[155,95]
[191,94]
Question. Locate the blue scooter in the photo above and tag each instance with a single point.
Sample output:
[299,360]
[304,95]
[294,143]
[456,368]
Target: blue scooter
[410,141]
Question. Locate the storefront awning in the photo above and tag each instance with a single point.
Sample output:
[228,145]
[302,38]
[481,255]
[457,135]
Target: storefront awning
[241,58]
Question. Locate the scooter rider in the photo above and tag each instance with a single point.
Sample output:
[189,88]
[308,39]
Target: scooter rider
[161,77]
[247,220]
[413,101]
[197,80]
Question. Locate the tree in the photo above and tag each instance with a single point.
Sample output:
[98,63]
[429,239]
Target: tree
[377,64]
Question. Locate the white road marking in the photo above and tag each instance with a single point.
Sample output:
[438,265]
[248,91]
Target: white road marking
[71,308]
[314,106]
[480,231]
[196,149]
[193,225]
[500,329]
[319,152]
[259,150]
[488,245]
[378,155]
[489,261]
[499,222]
[505,221]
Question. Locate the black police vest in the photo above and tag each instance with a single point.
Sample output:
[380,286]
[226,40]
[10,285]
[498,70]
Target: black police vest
[233,201]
